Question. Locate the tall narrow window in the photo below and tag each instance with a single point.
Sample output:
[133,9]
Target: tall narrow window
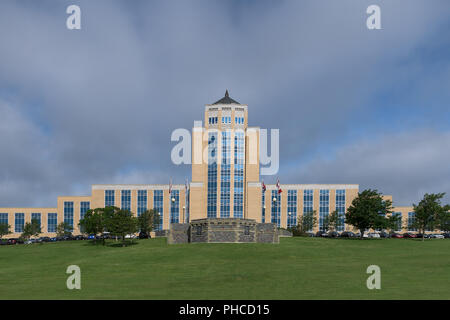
[225,175]
[292,208]
[263,207]
[141,201]
[276,207]
[175,206]
[212,175]
[4,218]
[411,220]
[37,217]
[68,213]
[52,222]
[238,199]
[109,198]
[324,209]
[126,200]
[340,208]
[398,226]
[158,205]
[84,207]
[308,199]
[19,221]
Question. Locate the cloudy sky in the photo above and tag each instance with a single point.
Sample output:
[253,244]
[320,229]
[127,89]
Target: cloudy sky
[98,105]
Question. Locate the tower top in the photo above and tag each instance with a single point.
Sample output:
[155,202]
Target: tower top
[226,99]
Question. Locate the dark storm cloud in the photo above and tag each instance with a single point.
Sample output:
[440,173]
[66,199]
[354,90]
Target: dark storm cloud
[98,105]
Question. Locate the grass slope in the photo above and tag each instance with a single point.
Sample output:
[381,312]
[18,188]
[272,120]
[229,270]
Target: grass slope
[297,268]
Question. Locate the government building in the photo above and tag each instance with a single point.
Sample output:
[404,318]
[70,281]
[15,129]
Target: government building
[226,184]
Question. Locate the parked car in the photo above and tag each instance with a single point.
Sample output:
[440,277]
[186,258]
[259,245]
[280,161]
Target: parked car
[397,235]
[91,237]
[436,236]
[446,235]
[419,235]
[53,239]
[310,234]
[384,234]
[44,239]
[347,234]
[79,237]
[130,236]
[365,235]
[12,241]
[321,234]
[333,234]
[373,235]
[409,235]
[144,235]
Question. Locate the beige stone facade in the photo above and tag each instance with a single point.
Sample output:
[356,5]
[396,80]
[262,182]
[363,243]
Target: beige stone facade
[229,187]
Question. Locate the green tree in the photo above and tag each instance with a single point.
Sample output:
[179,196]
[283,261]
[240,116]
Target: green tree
[148,221]
[96,221]
[444,220]
[31,229]
[5,229]
[64,229]
[122,223]
[335,221]
[429,213]
[305,223]
[369,210]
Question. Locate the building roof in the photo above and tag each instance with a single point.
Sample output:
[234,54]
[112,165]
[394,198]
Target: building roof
[226,100]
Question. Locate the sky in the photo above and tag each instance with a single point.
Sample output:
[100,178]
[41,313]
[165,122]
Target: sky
[98,105]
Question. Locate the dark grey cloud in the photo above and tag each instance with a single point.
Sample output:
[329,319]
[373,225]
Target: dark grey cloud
[98,105]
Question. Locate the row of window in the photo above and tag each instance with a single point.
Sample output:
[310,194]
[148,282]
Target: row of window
[226,120]
[324,206]
[19,221]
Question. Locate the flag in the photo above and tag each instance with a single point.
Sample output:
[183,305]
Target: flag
[186,186]
[278,186]
[263,187]
[170,186]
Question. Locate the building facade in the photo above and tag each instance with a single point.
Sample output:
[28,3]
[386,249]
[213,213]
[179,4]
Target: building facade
[225,184]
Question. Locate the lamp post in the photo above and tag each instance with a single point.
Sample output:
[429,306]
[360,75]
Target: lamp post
[184,208]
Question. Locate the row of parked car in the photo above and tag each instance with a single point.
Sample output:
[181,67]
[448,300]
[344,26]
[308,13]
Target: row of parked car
[382,234]
[106,235]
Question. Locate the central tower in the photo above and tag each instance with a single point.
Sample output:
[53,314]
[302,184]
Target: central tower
[225,163]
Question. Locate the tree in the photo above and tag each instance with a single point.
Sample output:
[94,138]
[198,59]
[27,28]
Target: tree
[306,223]
[369,210]
[31,229]
[335,221]
[64,229]
[96,221]
[148,221]
[5,229]
[122,223]
[444,220]
[429,213]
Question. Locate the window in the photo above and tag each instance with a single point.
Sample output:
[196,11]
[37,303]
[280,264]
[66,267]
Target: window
[340,208]
[324,209]
[292,208]
[263,207]
[37,217]
[84,207]
[158,205]
[308,197]
[68,213]
[411,220]
[246,230]
[225,175]
[212,120]
[276,206]
[141,201]
[238,199]
[126,200]
[398,226]
[212,176]
[175,206]
[109,198]
[199,230]
[52,222]
[226,120]
[4,218]
[239,120]
[19,221]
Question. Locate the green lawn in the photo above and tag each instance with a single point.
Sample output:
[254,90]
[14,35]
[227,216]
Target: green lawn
[297,268]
